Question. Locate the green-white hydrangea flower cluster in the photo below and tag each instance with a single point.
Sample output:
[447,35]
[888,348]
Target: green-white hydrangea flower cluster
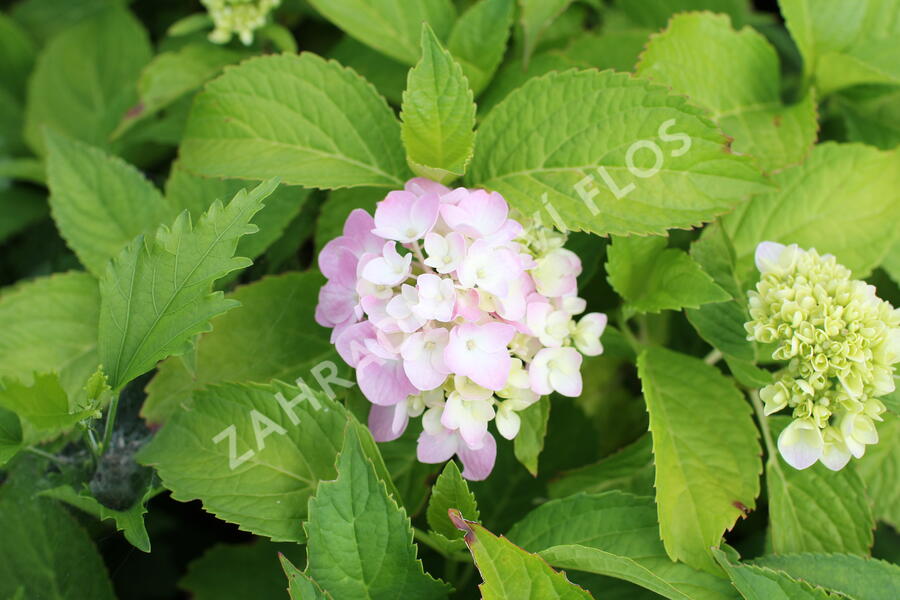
[241,17]
[841,342]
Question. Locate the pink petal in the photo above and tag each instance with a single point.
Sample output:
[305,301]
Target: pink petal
[336,304]
[478,464]
[383,381]
[421,186]
[358,227]
[351,343]
[387,423]
[436,448]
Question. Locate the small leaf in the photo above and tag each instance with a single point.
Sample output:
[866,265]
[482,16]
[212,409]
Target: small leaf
[45,552]
[707,452]
[231,571]
[752,113]
[226,449]
[629,470]
[130,522]
[300,585]
[721,325]
[20,207]
[652,277]
[390,26]
[613,534]
[856,577]
[272,325]
[809,208]
[309,121]
[478,40]
[450,491]
[438,114]
[536,17]
[99,202]
[156,294]
[598,168]
[360,541]
[10,435]
[509,571]
[533,429]
[758,583]
[42,404]
[816,510]
[50,324]
[107,52]
[880,471]
[845,43]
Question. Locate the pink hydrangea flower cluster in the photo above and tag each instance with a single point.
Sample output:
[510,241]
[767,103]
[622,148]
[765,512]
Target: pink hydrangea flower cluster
[451,310]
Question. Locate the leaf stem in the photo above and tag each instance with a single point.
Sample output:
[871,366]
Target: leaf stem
[44,454]
[713,357]
[635,344]
[110,423]
[417,252]
[763,422]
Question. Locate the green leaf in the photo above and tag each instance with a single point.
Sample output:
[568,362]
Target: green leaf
[809,208]
[758,583]
[533,429]
[20,207]
[85,79]
[11,141]
[43,19]
[577,160]
[10,435]
[386,74]
[654,14]
[309,121]
[156,294]
[629,470]
[536,17]
[613,534]
[721,325]
[186,191]
[450,491]
[42,404]
[392,27]
[360,541]
[300,585]
[130,522]
[715,253]
[274,474]
[271,335]
[438,114]
[845,43]
[99,202]
[238,571]
[174,74]
[880,470]
[50,324]
[618,50]
[747,373]
[17,54]
[509,571]
[478,40]
[857,577]
[816,510]
[871,114]
[707,452]
[651,277]
[44,551]
[412,478]
[752,113]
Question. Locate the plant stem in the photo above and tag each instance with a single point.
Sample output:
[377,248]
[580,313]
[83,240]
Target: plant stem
[628,334]
[43,454]
[417,252]
[763,422]
[713,357]
[110,423]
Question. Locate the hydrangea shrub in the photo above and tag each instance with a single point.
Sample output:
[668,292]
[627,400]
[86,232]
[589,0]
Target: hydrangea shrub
[510,299]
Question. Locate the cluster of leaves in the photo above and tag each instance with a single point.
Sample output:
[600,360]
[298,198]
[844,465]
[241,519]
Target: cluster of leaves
[144,356]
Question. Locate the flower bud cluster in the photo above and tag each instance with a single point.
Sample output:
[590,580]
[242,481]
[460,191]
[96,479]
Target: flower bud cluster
[241,17]
[451,310]
[840,342]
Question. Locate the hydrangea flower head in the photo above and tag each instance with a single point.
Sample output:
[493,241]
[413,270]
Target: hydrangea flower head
[840,342]
[241,17]
[454,309]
